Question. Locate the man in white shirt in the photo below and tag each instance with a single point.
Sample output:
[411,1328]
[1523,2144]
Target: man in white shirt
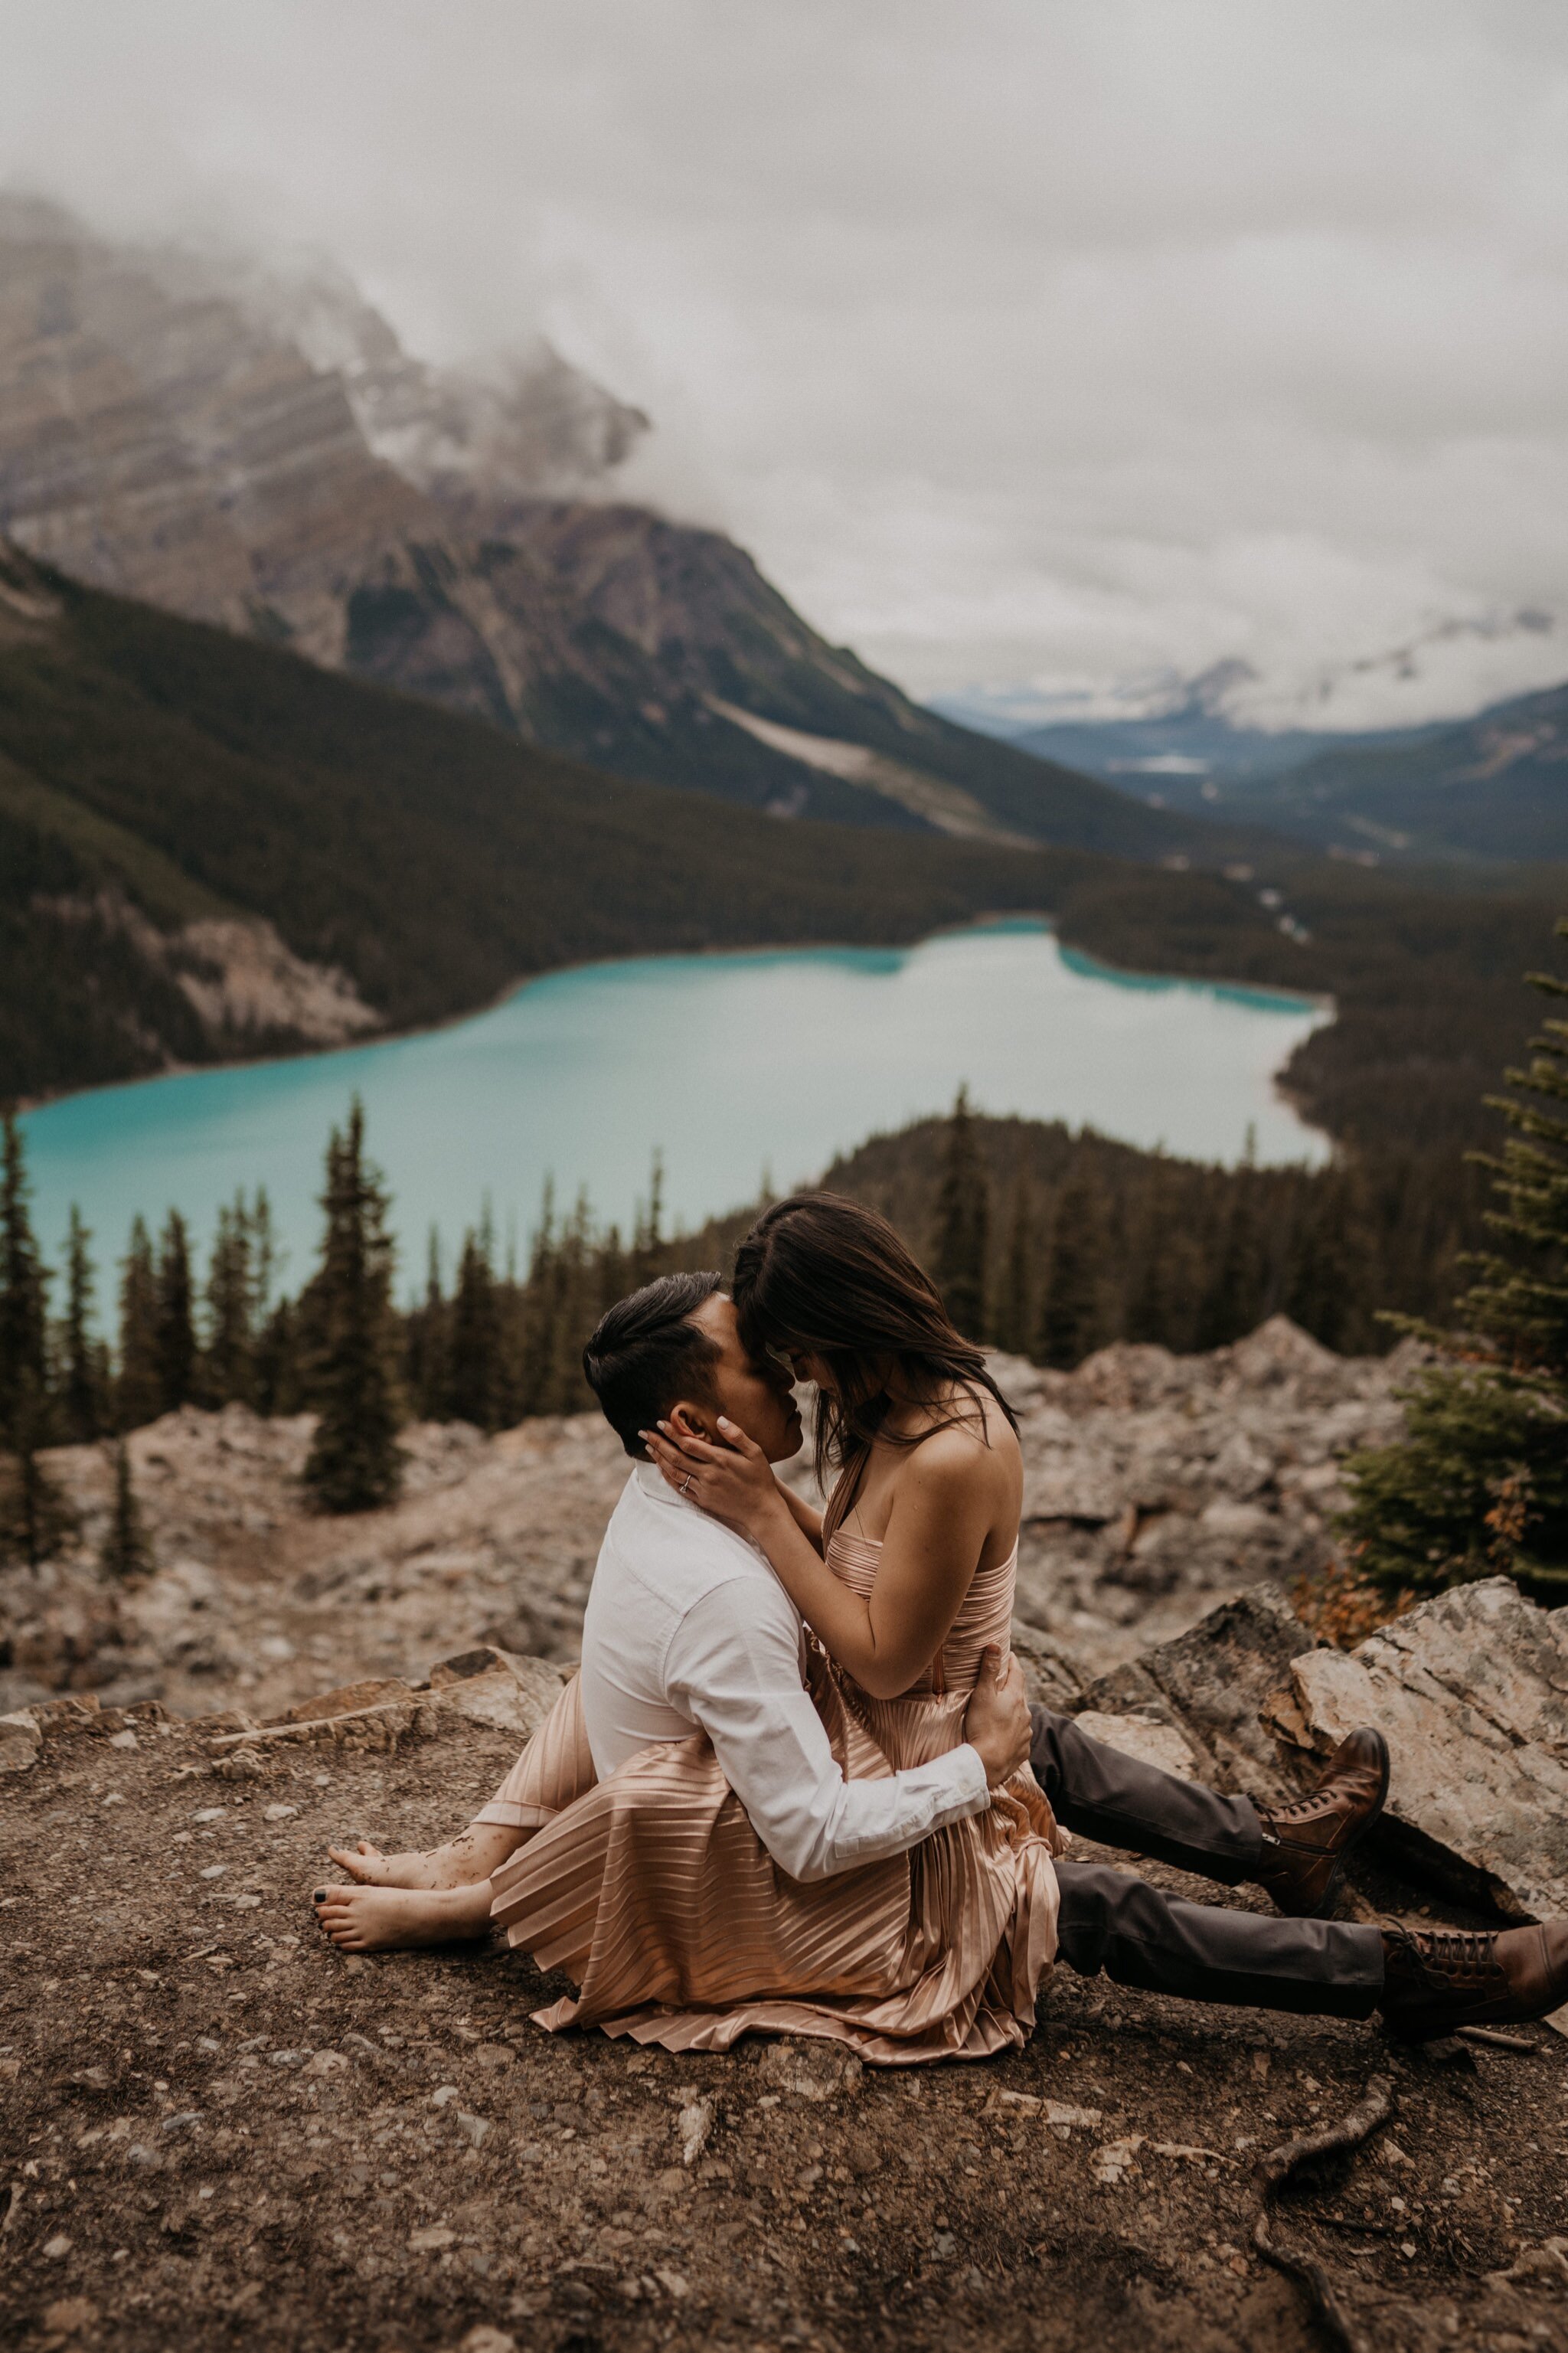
[689,1629]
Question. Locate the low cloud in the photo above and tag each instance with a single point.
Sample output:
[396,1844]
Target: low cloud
[1018,343]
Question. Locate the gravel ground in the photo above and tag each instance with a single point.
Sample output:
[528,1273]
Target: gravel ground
[220,2132]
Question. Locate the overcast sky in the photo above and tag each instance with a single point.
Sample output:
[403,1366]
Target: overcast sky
[1046,342]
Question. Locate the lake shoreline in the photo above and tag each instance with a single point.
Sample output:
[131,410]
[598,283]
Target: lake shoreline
[1285,999]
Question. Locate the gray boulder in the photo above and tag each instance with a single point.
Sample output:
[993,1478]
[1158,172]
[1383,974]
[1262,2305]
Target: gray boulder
[1471,1689]
[1213,1684]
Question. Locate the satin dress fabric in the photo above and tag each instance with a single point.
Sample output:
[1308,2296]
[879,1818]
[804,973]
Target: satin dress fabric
[654,1896]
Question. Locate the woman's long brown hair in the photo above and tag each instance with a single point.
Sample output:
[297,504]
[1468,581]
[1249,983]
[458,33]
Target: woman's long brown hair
[822,1275]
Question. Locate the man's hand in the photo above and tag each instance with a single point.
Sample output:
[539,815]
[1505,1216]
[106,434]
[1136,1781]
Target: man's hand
[996,1721]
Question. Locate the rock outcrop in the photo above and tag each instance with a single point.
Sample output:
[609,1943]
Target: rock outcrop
[1154,1483]
[1211,1689]
[1471,1689]
[1170,1501]
[1157,1487]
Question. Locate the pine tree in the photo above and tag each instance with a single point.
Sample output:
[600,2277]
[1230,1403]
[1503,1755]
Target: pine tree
[1014,1313]
[279,1362]
[355,1462]
[614,1272]
[1071,1315]
[1235,1304]
[175,1342]
[24,1316]
[426,1347]
[648,1250]
[474,1378]
[264,1256]
[84,1403]
[1479,1484]
[577,1311]
[228,1363]
[962,1224]
[139,1388]
[541,1307]
[35,1518]
[125,1552]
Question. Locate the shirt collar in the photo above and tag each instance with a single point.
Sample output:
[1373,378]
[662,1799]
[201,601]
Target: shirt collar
[656,1488]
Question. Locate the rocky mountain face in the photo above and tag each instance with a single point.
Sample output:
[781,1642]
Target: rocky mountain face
[260,452]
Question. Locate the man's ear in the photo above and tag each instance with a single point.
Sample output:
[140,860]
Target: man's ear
[691,1420]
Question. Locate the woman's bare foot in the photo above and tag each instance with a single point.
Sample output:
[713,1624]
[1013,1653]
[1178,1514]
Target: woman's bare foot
[464,1861]
[374,1869]
[383,1919]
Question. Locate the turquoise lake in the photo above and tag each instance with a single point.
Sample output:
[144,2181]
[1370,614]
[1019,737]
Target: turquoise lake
[730,1066]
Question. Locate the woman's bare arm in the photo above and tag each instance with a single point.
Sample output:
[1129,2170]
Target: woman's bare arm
[943,1506]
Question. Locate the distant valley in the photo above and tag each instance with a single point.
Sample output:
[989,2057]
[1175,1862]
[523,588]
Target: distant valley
[1486,791]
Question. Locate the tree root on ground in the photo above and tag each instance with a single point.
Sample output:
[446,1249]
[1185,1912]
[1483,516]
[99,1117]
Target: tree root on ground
[1275,2169]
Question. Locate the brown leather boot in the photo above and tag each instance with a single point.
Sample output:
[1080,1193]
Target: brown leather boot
[1306,1846]
[1438,1979]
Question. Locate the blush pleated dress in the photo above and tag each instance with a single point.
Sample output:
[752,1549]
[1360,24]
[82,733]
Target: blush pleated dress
[655,1896]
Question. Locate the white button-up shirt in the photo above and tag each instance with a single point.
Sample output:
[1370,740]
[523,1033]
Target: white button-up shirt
[687,1627]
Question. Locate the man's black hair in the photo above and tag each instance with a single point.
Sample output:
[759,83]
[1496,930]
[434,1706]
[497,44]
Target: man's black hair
[645,1354]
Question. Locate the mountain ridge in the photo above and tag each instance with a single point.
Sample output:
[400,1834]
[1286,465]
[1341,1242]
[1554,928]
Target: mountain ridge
[270,460]
[1490,790]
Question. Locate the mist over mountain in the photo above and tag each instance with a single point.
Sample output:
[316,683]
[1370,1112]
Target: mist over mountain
[1492,790]
[256,448]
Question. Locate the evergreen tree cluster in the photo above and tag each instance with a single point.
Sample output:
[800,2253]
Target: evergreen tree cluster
[505,1344]
[501,1345]
[1051,1244]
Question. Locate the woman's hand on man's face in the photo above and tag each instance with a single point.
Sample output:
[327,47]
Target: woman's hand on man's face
[734,1480]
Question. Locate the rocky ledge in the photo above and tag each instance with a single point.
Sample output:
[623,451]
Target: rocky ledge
[219,2125]
[1156,1486]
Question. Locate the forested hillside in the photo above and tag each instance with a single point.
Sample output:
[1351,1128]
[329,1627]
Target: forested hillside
[1055,1243]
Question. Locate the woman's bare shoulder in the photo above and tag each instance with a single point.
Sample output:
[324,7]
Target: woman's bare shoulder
[982,1442]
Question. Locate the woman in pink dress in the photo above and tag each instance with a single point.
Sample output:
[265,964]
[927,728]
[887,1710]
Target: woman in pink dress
[651,1891]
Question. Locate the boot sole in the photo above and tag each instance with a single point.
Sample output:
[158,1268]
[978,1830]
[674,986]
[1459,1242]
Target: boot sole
[1367,1824]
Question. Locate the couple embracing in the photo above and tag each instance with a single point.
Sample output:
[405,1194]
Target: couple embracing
[795,1787]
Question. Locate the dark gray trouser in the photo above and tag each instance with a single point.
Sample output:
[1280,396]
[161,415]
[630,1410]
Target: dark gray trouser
[1139,1937]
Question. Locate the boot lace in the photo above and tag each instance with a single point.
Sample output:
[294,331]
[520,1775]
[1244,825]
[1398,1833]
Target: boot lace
[1450,1956]
[1310,1809]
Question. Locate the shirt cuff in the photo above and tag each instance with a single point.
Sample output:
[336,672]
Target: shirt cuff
[974,1787]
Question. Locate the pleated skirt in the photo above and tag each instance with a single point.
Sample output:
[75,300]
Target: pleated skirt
[655,1896]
